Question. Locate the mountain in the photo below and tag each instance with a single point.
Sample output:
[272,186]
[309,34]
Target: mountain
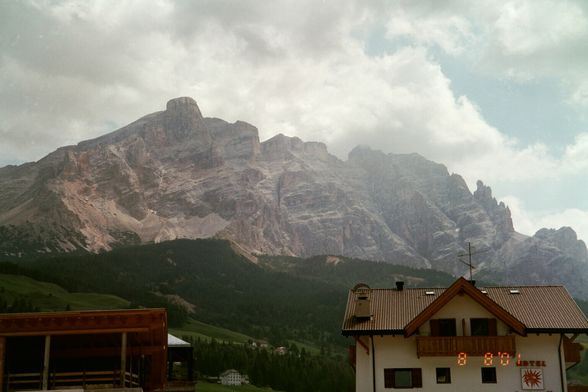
[176,174]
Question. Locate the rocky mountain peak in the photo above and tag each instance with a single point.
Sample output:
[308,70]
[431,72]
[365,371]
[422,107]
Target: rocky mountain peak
[239,140]
[183,120]
[499,213]
[483,193]
[566,239]
[278,147]
[361,152]
[183,106]
[282,147]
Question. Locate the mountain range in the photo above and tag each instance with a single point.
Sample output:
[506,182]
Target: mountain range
[176,174]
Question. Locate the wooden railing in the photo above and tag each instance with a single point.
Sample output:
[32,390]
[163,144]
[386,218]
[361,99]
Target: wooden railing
[446,346]
[57,380]
[24,381]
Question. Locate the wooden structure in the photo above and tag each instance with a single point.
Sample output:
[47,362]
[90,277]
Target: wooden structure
[446,346]
[179,378]
[108,349]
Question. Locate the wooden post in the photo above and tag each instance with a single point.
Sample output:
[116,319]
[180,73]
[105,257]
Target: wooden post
[123,359]
[2,361]
[46,362]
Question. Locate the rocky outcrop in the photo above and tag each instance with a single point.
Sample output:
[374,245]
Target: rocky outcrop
[176,174]
[499,213]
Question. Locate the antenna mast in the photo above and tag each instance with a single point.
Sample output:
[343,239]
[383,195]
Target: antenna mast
[469,262]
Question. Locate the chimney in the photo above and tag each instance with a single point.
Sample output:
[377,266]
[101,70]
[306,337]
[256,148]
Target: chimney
[400,285]
[363,295]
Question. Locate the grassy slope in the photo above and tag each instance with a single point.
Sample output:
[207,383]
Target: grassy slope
[197,329]
[208,387]
[51,297]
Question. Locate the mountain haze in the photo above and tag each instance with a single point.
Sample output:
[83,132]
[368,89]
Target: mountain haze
[176,174]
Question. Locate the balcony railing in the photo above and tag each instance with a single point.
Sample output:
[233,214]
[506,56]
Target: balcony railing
[446,346]
[66,380]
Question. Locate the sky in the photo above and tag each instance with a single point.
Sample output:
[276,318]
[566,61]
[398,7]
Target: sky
[495,90]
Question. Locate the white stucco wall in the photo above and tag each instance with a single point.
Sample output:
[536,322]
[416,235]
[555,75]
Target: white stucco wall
[400,352]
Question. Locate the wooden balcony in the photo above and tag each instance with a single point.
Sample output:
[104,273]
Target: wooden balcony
[447,346]
[572,351]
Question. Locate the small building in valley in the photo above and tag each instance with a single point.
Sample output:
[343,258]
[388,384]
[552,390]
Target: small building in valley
[233,377]
[463,338]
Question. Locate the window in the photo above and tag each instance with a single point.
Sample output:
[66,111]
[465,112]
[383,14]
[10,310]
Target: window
[488,375]
[443,327]
[403,378]
[443,376]
[483,327]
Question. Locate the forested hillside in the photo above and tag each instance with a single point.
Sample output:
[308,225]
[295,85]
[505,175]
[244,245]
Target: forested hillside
[291,302]
[275,298]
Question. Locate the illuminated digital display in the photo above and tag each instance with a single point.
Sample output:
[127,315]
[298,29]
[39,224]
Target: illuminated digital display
[462,359]
[500,359]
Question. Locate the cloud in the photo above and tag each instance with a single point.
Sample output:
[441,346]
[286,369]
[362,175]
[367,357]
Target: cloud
[575,158]
[449,31]
[525,28]
[519,40]
[72,70]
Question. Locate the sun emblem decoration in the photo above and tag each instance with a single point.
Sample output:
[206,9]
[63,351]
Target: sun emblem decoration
[532,378]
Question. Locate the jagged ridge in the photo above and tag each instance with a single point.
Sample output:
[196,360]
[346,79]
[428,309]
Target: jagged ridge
[176,174]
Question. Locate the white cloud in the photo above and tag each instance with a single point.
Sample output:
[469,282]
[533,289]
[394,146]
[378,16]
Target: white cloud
[73,70]
[306,76]
[525,28]
[575,157]
[450,32]
[520,40]
[303,71]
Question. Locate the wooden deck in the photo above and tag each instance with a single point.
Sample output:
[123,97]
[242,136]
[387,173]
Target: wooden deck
[446,346]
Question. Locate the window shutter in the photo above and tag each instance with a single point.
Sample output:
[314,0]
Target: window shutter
[492,328]
[417,378]
[389,380]
[434,327]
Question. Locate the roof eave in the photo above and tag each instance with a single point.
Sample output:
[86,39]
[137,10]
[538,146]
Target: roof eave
[557,330]
[350,332]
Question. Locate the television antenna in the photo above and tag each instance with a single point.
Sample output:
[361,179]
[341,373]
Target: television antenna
[469,254]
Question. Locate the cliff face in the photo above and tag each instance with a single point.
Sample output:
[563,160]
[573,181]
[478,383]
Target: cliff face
[176,174]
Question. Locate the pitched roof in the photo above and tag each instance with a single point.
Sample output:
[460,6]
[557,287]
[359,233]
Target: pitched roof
[228,372]
[541,308]
[462,286]
[174,341]
[536,308]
